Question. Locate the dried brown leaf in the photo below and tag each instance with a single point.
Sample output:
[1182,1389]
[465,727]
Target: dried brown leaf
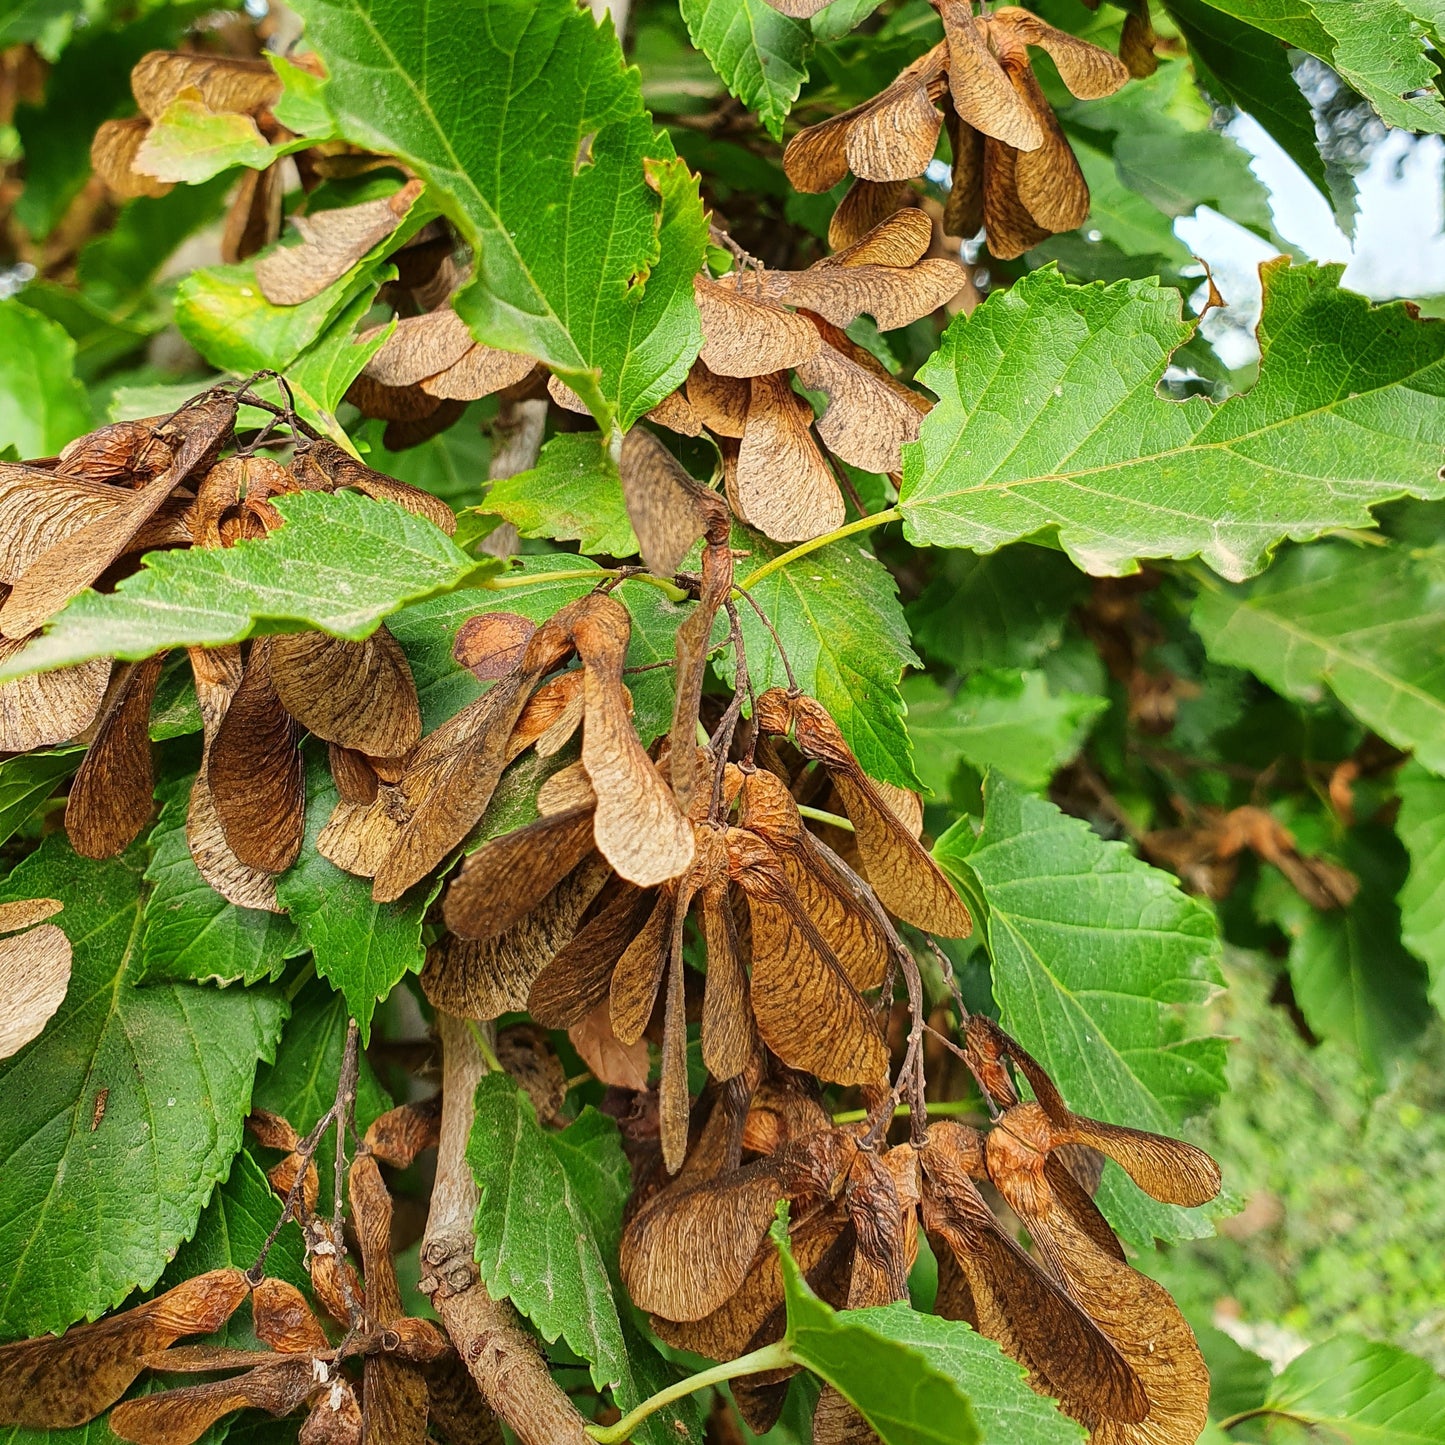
[111,798]
[785,487]
[639,828]
[356,694]
[747,335]
[331,243]
[53,1384]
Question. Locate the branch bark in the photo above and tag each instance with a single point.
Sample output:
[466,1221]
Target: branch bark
[501,1355]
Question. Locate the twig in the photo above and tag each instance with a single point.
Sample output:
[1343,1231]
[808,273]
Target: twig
[501,1355]
[773,632]
[722,739]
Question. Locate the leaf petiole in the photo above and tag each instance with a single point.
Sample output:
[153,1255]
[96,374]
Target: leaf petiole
[776,1356]
[863,524]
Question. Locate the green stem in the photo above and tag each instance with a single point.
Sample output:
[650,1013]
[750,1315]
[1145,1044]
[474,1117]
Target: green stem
[819,816]
[488,1053]
[945,1109]
[776,1356]
[863,524]
[1263,1410]
[669,590]
[534,579]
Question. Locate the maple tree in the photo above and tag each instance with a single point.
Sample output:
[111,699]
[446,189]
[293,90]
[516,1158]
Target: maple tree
[640,705]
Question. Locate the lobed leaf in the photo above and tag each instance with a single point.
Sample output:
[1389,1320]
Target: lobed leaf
[1048,421]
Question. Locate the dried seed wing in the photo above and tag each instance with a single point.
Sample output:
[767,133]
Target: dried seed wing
[635,980]
[1011,229]
[675,412]
[326,461]
[1050,184]
[625,1066]
[1136,43]
[34,977]
[639,828]
[866,204]
[747,335]
[1080,1204]
[893,136]
[255,774]
[892,295]
[662,501]
[1172,1171]
[331,243]
[509,876]
[52,1384]
[908,882]
[283,1319]
[866,421]
[729,1036]
[393,1402]
[399,1135]
[224,82]
[816,159]
[836,1422]
[901,238]
[482,371]
[577,977]
[253,220]
[673,1101]
[807,1011]
[355,778]
[181,1417]
[491,644]
[27,912]
[418,347]
[1030,1316]
[74,562]
[357,694]
[333,1419]
[963,210]
[687,1250]
[981,92]
[456,1407]
[112,158]
[371,1216]
[721,402]
[1089,71]
[550,720]
[38,508]
[690,653]
[566,789]
[785,487]
[798,9]
[49,707]
[565,397]
[111,798]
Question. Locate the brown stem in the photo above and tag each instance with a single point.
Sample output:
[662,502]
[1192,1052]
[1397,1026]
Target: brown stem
[489,1336]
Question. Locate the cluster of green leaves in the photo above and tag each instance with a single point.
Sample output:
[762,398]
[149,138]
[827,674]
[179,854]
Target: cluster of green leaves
[1288,634]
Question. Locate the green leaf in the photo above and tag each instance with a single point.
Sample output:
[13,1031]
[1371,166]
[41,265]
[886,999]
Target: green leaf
[361,947]
[1093,955]
[190,142]
[302,106]
[760,54]
[320,376]
[1353,980]
[1236,62]
[1362,623]
[1358,1390]
[572,494]
[42,405]
[1048,421]
[92,1208]
[547,1226]
[191,932]
[589,234]
[837,613]
[1002,719]
[1421,826]
[27,781]
[836,20]
[898,1375]
[341,563]
[1005,609]
[1374,45]
[428,631]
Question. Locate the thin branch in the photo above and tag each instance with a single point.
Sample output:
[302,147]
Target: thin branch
[773,633]
[863,524]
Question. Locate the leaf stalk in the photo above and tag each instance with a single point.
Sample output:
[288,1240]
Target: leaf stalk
[863,524]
